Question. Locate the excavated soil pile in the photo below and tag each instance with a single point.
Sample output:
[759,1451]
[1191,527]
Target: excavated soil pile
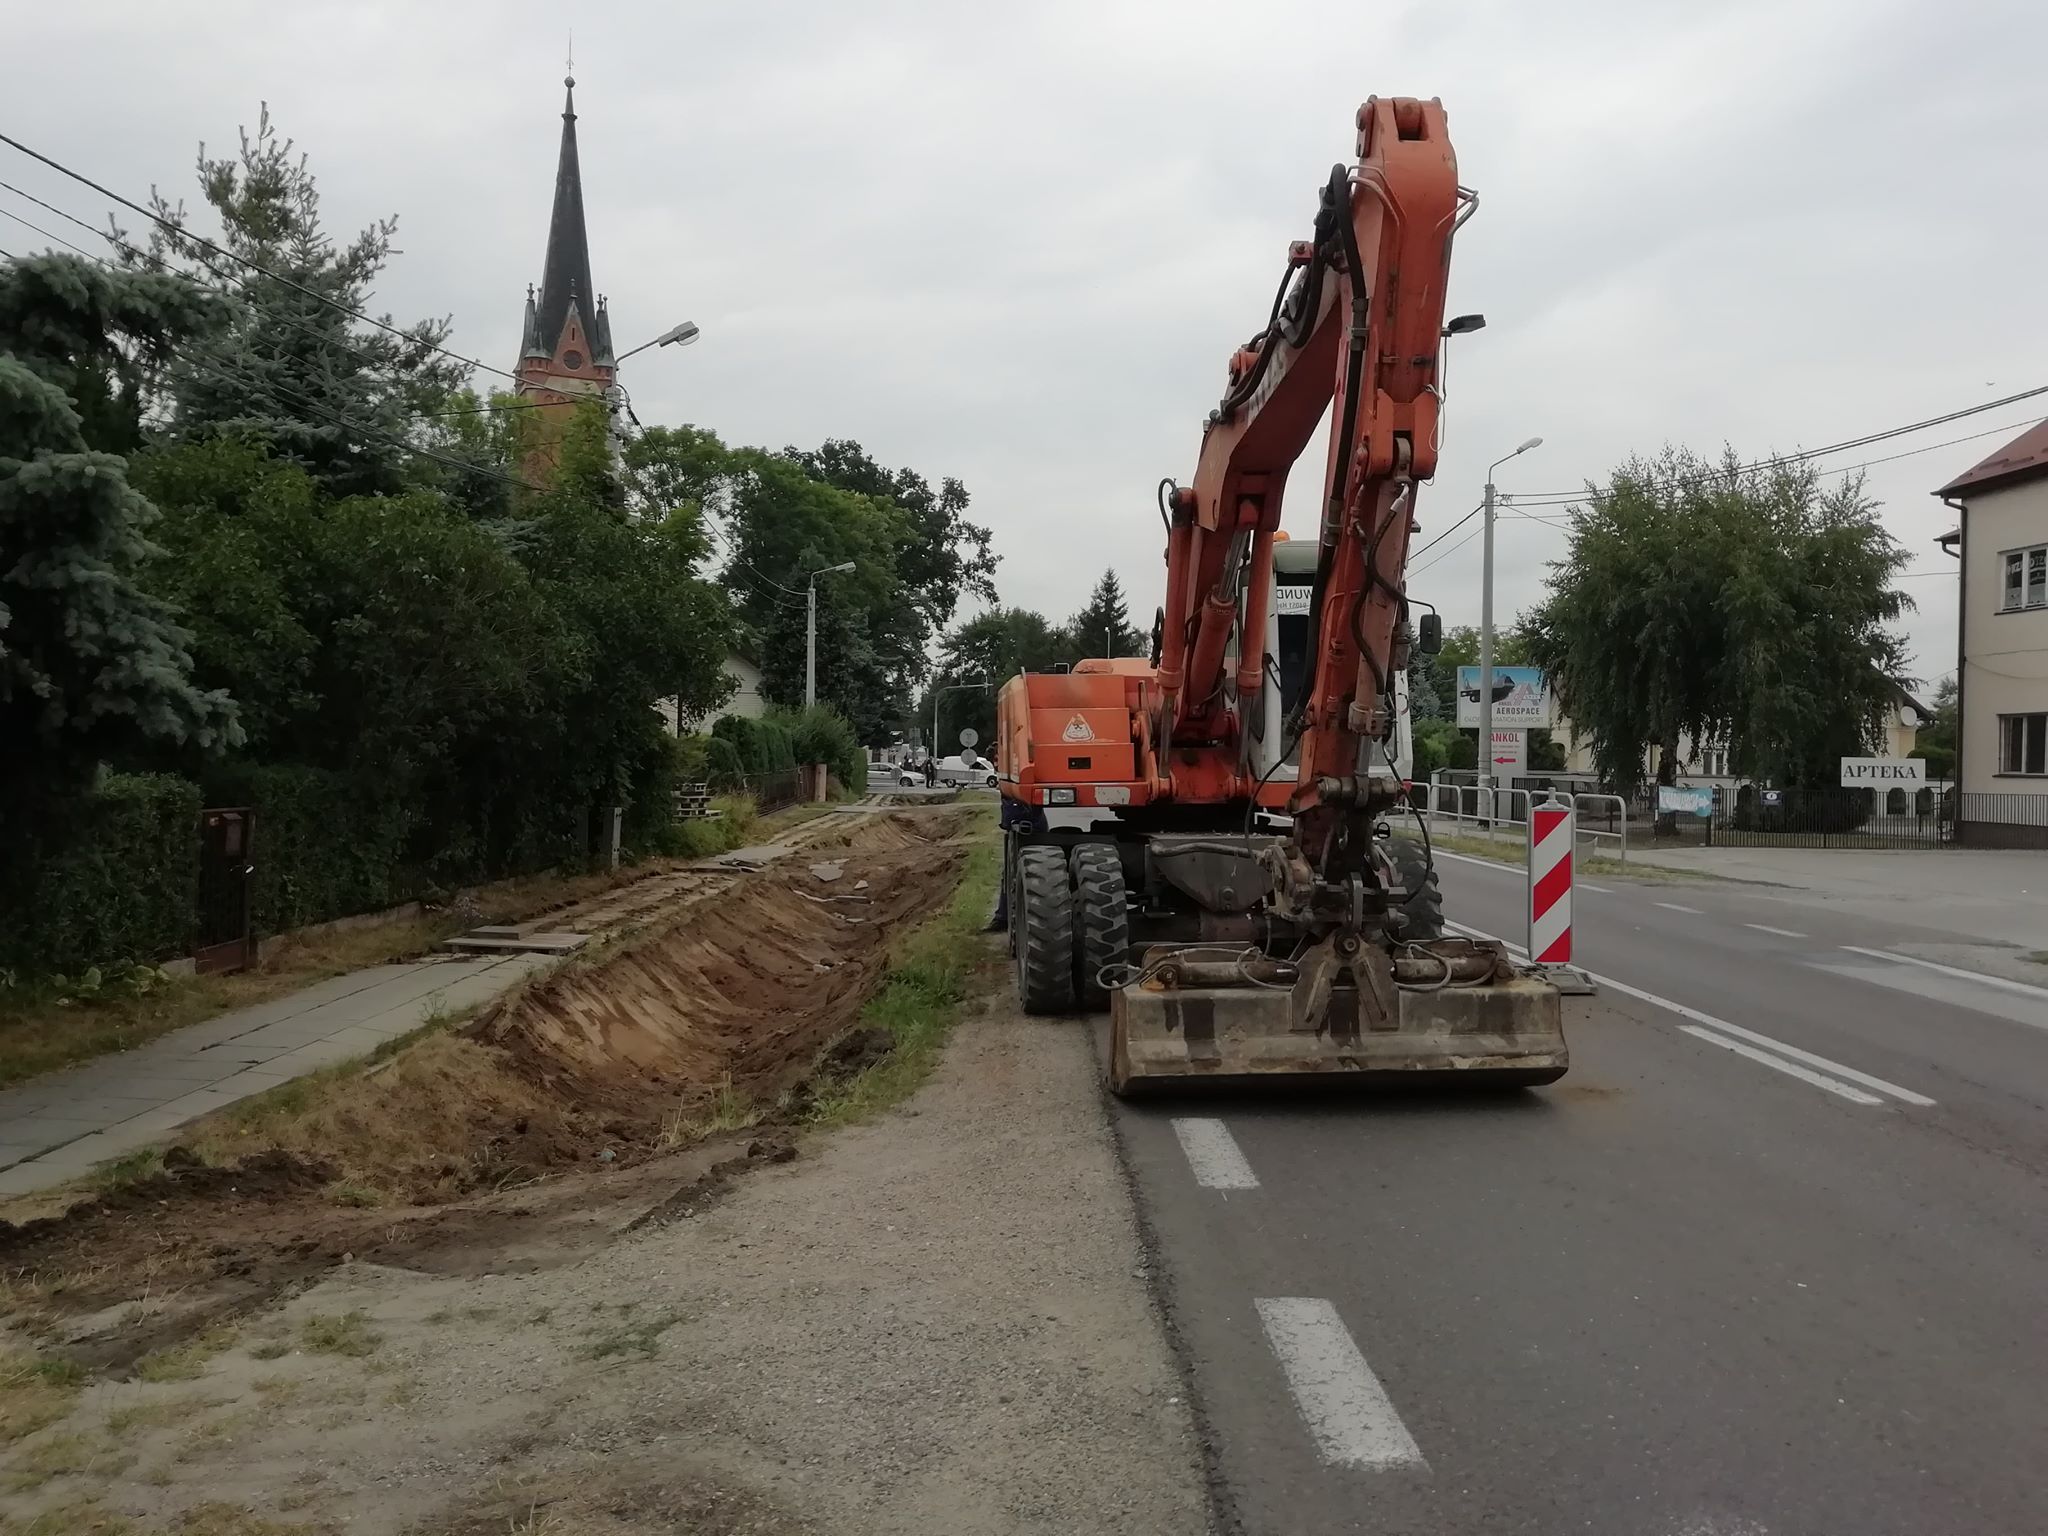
[596,1074]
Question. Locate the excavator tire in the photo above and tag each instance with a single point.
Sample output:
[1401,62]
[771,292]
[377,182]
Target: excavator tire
[1042,923]
[1421,916]
[1102,920]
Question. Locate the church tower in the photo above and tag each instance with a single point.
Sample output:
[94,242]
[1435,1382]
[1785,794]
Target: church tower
[565,350]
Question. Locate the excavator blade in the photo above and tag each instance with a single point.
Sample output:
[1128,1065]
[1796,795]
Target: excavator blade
[1506,1033]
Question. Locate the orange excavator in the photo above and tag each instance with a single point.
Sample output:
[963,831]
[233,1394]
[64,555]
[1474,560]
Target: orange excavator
[1242,905]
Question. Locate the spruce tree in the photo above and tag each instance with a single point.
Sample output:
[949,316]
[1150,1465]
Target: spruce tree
[91,664]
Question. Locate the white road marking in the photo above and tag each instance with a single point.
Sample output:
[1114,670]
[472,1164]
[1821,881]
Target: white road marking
[1783,933]
[1213,1154]
[1672,906]
[1466,858]
[1903,1095]
[1348,1412]
[2000,983]
[1843,1090]
[1518,869]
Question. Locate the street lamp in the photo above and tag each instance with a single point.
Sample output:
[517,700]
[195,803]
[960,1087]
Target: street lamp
[811,636]
[675,336]
[1486,637]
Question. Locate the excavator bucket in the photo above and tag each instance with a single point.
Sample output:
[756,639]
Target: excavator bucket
[1167,1035]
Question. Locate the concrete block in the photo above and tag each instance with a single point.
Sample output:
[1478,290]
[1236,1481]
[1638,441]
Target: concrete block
[531,943]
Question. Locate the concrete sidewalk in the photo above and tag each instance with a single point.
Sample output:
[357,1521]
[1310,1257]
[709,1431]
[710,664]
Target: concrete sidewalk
[59,1127]
[1985,894]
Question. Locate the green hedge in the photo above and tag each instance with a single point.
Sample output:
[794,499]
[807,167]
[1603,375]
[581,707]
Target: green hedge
[100,878]
[324,846]
[724,768]
[823,735]
[764,746]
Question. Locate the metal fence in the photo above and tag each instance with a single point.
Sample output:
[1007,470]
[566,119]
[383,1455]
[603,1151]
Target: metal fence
[1748,816]
[772,791]
[2002,820]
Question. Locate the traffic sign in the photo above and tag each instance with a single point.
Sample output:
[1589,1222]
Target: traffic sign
[969,736]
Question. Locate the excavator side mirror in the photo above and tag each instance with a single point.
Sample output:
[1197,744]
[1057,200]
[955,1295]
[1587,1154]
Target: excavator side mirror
[1429,637]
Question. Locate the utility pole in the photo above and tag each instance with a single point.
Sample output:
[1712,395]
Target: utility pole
[811,633]
[1485,757]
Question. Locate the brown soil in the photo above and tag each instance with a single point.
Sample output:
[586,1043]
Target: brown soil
[566,1112]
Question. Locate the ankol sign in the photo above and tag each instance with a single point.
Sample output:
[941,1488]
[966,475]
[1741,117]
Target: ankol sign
[1884,772]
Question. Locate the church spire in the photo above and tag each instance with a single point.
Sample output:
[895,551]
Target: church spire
[565,283]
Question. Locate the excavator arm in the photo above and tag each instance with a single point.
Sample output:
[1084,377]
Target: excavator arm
[1355,330]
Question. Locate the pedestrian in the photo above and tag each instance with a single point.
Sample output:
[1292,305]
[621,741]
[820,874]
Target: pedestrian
[1026,818]
[931,771]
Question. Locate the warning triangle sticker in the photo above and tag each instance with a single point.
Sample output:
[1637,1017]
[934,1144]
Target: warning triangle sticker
[1078,729]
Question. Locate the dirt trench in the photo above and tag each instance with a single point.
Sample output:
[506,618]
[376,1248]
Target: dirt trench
[567,1111]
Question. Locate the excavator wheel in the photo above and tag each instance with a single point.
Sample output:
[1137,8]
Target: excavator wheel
[1421,916]
[1102,920]
[1042,928]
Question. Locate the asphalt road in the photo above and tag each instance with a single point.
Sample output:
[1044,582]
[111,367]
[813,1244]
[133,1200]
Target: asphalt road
[1773,1261]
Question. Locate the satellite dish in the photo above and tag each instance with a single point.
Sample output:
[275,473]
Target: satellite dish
[969,736]
[1909,717]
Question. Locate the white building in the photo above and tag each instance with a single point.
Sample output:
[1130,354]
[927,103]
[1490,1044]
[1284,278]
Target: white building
[2001,544]
[746,700]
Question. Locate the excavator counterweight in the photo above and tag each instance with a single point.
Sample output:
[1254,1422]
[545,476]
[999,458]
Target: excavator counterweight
[1243,904]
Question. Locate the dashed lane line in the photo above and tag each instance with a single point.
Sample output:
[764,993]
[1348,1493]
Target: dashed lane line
[1213,1154]
[1349,1415]
[1790,1068]
[1997,983]
[1672,906]
[1878,1084]
[1783,933]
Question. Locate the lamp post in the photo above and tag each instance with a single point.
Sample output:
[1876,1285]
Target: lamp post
[1486,638]
[811,633]
[675,336]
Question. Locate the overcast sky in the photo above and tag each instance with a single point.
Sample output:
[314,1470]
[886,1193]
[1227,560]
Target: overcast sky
[1016,243]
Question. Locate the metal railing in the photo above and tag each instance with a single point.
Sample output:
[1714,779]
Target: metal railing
[1600,817]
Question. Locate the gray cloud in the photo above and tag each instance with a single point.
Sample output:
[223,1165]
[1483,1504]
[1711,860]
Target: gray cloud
[1017,243]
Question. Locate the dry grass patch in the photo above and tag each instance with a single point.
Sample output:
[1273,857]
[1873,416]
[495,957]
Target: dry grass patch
[78,1517]
[348,1334]
[186,1361]
[35,1392]
[63,1455]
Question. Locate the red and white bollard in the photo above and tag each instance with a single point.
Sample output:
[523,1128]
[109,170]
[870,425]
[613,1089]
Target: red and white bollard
[1553,830]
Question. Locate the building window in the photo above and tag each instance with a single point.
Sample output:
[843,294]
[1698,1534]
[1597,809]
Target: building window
[2026,578]
[1714,762]
[2023,743]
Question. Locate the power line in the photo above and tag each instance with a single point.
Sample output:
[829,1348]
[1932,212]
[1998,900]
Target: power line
[1556,498]
[326,338]
[1461,522]
[218,369]
[1418,570]
[180,232]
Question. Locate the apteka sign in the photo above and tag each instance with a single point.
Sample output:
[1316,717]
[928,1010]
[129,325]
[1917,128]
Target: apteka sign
[1884,772]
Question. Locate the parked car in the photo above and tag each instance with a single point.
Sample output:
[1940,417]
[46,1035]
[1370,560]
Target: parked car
[967,769]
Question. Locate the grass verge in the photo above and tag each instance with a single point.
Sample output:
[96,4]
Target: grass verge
[1512,850]
[933,972]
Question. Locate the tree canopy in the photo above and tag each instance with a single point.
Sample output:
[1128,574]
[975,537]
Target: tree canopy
[92,662]
[1723,602]
[282,361]
[1103,626]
